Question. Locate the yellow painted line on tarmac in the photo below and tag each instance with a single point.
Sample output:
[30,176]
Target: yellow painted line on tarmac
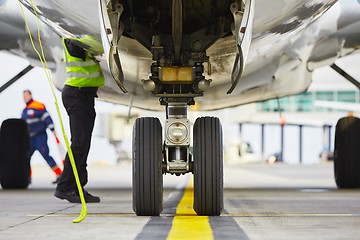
[292,215]
[187,224]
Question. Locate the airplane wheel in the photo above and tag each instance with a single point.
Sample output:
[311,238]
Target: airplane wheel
[14,154]
[147,167]
[208,166]
[347,153]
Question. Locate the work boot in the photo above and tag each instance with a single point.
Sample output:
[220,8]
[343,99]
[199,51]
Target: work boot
[90,198]
[70,196]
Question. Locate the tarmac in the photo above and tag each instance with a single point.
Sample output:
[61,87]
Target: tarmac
[260,202]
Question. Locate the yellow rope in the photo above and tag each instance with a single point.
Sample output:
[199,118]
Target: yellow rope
[45,66]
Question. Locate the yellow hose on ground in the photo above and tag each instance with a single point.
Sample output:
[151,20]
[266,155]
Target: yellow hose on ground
[45,66]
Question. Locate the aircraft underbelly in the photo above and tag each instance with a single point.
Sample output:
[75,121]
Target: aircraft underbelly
[78,17]
[281,16]
[276,23]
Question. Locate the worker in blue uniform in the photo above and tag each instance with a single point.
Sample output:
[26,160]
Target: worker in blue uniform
[38,120]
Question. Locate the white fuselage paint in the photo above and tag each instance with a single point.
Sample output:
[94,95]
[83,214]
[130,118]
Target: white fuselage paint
[287,44]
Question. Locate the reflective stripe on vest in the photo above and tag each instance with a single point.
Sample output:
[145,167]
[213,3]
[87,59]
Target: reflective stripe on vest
[32,120]
[45,115]
[80,64]
[81,73]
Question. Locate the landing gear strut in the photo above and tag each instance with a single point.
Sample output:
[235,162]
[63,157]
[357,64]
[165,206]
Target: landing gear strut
[347,146]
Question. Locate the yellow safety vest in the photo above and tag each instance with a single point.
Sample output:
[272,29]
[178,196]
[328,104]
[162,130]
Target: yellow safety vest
[80,73]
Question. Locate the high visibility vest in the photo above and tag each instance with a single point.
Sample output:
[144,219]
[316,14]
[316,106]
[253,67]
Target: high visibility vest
[80,73]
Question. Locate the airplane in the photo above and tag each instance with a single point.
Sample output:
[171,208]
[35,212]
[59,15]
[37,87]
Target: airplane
[169,55]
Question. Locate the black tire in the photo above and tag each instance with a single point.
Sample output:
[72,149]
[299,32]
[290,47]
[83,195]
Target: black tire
[347,153]
[14,154]
[147,167]
[208,166]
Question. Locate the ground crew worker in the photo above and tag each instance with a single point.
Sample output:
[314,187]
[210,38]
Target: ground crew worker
[84,76]
[38,120]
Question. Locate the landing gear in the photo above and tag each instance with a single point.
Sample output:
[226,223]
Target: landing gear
[208,166]
[176,87]
[151,159]
[14,154]
[177,79]
[347,153]
[179,52]
[147,167]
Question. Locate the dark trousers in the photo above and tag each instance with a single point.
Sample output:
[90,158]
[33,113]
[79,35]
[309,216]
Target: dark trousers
[79,104]
[39,142]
